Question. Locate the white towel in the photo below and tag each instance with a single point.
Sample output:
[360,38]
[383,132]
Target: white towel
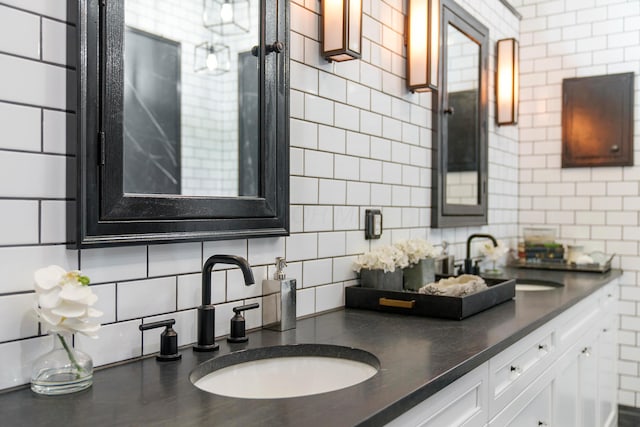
[455,286]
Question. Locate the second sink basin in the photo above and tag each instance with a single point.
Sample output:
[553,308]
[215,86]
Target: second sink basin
[285,371]
[529,285]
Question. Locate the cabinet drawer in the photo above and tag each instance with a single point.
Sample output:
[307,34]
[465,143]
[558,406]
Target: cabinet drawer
[531,408]
[511,371]
[462,403]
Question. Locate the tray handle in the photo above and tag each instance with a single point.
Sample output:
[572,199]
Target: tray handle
[388,302]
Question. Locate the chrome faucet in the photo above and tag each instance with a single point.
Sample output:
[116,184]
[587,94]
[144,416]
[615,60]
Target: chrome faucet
[207,311]
[469,268]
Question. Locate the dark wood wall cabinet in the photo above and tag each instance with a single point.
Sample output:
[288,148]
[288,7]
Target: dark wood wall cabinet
[597,121]
[108,212]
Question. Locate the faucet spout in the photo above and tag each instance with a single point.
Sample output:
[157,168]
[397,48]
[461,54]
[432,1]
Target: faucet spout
[206,312]
[468,263]
[223,259]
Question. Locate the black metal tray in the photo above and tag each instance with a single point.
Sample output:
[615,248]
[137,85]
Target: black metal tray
[413,303]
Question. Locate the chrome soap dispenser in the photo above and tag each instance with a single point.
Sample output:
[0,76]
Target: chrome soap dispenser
[279,300]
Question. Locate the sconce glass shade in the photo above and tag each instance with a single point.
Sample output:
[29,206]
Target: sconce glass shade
[212,58]
[227,17]
[341,29]
[507,82]
[423,45]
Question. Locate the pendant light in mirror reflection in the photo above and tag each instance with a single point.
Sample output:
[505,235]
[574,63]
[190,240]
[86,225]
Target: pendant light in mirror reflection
[213,58]
[341,29]
[507,82]
[227,17]
[423,45]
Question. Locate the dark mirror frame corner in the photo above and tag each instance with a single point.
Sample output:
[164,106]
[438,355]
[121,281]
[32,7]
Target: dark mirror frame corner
[445,214]
[106,216]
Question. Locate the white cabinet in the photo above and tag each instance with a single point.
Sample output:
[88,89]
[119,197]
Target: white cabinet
[462,403]
[580,379]
[607,359]
[586,382]
[537,413]
[562,374]
[514,369]
[567,393]
[576,384]
[607,375]
[532,407]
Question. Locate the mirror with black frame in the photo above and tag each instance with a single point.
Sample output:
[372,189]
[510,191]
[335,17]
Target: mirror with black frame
[460,157]
[183,107]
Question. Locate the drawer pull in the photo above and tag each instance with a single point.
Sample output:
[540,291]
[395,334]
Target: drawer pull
[586,351]
[387,302]
[542,424]
[543,347]
[515,370]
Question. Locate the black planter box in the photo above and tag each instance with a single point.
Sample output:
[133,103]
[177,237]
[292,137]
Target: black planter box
[413,303]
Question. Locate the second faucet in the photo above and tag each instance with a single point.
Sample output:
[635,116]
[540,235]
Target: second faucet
[469,268]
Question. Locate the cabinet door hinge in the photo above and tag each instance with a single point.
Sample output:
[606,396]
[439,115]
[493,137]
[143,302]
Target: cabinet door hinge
[101,149]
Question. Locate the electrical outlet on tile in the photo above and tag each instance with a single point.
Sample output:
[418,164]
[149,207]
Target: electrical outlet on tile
[373,224]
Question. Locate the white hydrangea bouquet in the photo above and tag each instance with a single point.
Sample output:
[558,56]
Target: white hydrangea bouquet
[416,249]
[386,258]
[64,306]
[397,266]
[381,268]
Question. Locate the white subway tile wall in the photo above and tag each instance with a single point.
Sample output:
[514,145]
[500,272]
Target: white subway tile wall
[359,140]
[594,207]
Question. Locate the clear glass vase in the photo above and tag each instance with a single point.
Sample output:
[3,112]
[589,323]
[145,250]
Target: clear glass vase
[62,370]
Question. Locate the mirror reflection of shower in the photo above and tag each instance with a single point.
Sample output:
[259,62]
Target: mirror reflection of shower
[191,102]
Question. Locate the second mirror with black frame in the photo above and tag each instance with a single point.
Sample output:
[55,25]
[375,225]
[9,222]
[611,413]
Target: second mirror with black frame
[183,120]
[460,155]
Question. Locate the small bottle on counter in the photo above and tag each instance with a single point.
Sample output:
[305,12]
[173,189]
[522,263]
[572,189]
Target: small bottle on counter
[445,262]
[279,300]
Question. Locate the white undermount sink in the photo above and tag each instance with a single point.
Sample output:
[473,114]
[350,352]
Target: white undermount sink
[534,285]
[285,371]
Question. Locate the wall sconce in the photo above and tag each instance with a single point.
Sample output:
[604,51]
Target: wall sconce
[341,29]
[423,45]
[227,17]
[213,58]
[507,82]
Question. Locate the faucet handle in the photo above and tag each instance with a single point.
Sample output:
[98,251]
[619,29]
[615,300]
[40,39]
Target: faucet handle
[238,331]
[168,340]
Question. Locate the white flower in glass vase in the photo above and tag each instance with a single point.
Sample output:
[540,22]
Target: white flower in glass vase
[493,253]
[63,305]
[64,301]
[416,249]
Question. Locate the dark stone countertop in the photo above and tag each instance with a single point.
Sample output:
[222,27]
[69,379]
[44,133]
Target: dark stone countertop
[419,356]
